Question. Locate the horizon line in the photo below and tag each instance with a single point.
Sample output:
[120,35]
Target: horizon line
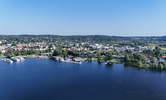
[76,35]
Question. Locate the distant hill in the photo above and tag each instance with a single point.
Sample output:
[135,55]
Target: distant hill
[82,38]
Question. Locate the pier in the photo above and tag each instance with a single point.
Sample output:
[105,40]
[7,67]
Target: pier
[108,63]
[63,60]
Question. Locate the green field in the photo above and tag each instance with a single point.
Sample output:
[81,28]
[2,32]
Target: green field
[152,45]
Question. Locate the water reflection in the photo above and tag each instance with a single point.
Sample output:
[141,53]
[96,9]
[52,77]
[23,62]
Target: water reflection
[109,65]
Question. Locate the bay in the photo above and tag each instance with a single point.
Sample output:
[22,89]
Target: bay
[44,79]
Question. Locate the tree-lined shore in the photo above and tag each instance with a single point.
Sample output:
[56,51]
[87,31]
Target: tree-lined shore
[144,52]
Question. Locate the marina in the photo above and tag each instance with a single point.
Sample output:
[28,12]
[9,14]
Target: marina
[14,59]
[60,59]
[56,58]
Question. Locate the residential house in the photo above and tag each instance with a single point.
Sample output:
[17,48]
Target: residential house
[3,51]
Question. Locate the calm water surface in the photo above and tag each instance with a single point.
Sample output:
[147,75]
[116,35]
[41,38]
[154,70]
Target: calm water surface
[45,79]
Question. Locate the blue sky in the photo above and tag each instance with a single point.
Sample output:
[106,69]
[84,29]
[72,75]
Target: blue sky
[83,17]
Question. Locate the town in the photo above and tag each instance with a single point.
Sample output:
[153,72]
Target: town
[62,50]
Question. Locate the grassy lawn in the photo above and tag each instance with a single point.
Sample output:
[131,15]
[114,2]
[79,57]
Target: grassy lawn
[30,56]
[94,58]
[115,60]
[80,58]
[163,49]
[3,56]
[152,45]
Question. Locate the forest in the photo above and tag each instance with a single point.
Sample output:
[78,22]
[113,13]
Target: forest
[84,38]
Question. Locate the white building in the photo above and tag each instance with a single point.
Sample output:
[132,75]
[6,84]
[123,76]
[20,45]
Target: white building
[2,51]
[76,44]
[95,44]
[111,46]
[105,47]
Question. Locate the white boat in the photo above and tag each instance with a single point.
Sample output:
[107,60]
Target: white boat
[15,59]
[9,61]
[4,60]
[67,61]
[21,58]
[80,62]
[61,59]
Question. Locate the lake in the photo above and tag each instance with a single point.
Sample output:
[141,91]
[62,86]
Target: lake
[45,79]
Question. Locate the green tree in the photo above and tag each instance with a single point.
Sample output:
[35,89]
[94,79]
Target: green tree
[164,65]
[55,53]
[50,55]
[108,56]
[50,46]
[128,51]
[90,57]
[140,64]
[152,60]
[99,57]
[14,44]
[16,53]
[10,55]
[126,58]
[161,66]
[147,65]
[64,53]
[157,49]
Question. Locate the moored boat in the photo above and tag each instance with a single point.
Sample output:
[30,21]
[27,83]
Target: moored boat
[9,61]
[15,59]
[80,62]
[61,59]
[21,58]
